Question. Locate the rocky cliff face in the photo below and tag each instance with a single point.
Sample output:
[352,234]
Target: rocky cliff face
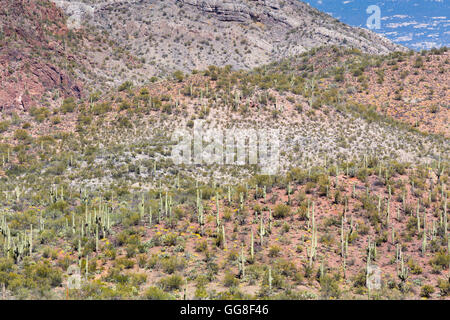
[24,81]
[262,11]
[30,54]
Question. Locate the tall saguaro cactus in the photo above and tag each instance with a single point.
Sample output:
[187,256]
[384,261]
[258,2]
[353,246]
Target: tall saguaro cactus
[242,263]
[311,251]
[262,230]
[252,250]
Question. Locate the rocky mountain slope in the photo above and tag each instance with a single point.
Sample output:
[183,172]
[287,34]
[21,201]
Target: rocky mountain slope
[47,55]
[411,87]
[31,54]
[43,60]
[191,34]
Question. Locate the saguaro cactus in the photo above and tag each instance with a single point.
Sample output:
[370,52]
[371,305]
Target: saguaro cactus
[270,279]
[289,191]
[217,212]
[252,250]
[448,252]
[388,215]
[242,263]
[445,216]
[418,219]
[403,270]
[342,238]
[241,201]
[270,221]
[87,266]
[265,194]
[150,217]
[31,239]
[224,238]
[311,252]
[142,208]
[96,238]
[262,230]
[424,243]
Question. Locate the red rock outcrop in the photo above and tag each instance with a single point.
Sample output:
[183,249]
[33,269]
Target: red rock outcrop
[31,47]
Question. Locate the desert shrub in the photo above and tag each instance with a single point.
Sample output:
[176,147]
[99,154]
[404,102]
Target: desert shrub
[338,197]
[155,293]
[178,75]
[171,282]
[172,264]
[286,267]
[127,237]
[126,263]
[201,281]
[21,134]
[329,287]
[144,92]
[124,105]
[39,114]
[309,187]
[285,228]
[83,121]
[142,260]
[6,266]
[274,251]
[324,185]
[125,86]
[414,267]
[44,274]
[281,211]
[68,105]
[327,239]
[101,108]
[426,291]
[444,286]
[230,280]
[207,193]
[201,246]
[170,239]
[227,215]
[418,63]
[56,120]
[434,108]
[138,279]
[359,280]
[4,125]
[124,122]
[362,174]
[131,250]
[56,168]
[152,261]
[441,259]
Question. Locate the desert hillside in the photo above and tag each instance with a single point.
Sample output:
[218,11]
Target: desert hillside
[89,186]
